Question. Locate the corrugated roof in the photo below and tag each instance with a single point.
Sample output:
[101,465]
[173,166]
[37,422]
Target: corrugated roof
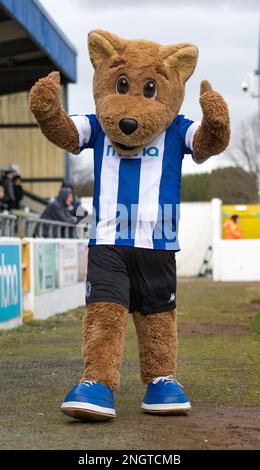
[28,37]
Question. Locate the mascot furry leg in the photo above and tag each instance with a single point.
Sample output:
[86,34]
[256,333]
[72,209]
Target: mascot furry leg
[104,327]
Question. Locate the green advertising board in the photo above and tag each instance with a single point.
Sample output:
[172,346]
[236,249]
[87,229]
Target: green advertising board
[45,267]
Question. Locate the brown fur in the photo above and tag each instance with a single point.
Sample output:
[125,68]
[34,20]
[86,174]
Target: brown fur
[169,66]
[104,328]
[158,344]
[55,124]
[213,135]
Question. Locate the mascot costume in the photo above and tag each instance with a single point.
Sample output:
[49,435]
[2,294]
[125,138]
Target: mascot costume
[139,141]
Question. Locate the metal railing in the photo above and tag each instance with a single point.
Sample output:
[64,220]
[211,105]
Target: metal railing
[28,226]
[43,228]
[7,225]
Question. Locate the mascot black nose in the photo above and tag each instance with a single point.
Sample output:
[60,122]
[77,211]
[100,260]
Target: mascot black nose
[128,126]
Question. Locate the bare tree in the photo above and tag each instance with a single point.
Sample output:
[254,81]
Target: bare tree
[244,151]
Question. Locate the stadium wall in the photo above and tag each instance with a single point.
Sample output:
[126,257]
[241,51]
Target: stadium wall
[27,147]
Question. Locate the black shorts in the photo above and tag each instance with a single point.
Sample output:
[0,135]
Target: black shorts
[140,279]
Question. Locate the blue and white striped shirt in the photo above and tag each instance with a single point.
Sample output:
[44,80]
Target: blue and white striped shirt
[136,199]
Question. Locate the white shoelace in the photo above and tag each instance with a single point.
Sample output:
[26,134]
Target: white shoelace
[166,380]
[88,383]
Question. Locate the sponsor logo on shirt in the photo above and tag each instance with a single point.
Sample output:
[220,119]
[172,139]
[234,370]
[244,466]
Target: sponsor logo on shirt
[146,152]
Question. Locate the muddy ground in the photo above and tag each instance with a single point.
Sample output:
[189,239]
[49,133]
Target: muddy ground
[219,364]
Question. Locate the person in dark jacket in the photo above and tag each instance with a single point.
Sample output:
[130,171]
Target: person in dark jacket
[18,190]
[58,211]
[73,208]
[3,202]
[9,188]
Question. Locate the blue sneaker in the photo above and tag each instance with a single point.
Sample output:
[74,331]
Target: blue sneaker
[165,395]
[90,401]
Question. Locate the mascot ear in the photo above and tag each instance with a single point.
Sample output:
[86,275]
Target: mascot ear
[103,45]
[182,57]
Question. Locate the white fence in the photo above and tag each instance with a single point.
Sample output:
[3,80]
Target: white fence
[233,260]
[201,227]
[236,260]
[195,236]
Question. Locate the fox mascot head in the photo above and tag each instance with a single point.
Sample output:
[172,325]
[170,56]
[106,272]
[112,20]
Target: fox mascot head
[138,87]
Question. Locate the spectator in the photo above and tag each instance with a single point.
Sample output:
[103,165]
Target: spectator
[3,202]
[18,190]
[232,230]
[58,211]
[76,209]
[9,188]
[76,203]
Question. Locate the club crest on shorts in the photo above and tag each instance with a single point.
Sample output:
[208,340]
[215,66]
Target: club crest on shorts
[172,297]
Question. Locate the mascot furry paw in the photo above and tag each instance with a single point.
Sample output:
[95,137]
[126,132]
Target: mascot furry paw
[139,142]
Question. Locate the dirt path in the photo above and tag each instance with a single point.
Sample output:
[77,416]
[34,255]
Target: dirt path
[218,363]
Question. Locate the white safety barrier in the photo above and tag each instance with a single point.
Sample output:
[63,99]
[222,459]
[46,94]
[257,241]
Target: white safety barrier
[236,260]
[57,276]
[10,283]
[233,260]
[195,236]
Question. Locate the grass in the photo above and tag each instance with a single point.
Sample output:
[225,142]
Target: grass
[256,324]
[218,362]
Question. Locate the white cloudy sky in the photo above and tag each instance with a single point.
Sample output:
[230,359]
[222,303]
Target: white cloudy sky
[226,33]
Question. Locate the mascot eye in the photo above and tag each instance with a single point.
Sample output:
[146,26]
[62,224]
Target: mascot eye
[150,89]
[122,85]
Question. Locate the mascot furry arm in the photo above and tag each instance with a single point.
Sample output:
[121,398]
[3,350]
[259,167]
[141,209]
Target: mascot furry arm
[211,138]
[54,122]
